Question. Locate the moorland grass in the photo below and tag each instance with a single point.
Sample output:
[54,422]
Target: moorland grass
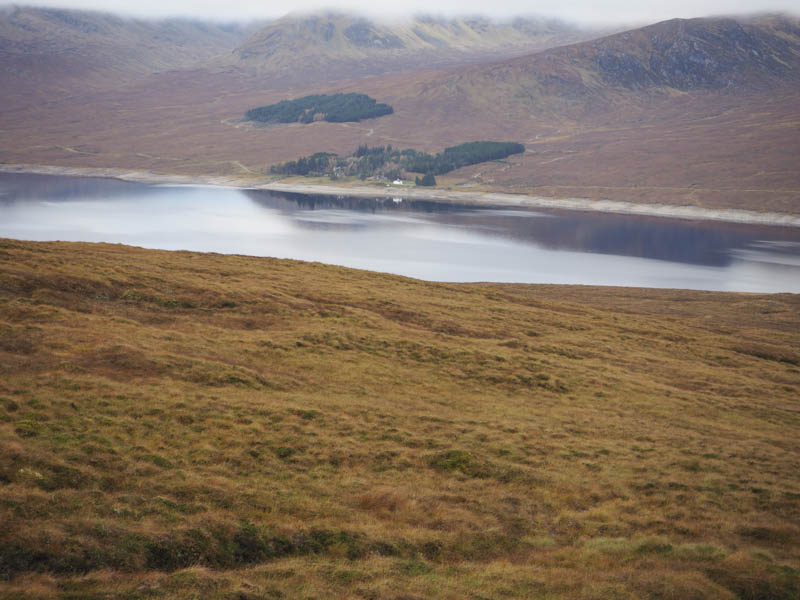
[182,425]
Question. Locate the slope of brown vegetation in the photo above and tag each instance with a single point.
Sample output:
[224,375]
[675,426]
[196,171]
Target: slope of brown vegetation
[181,425]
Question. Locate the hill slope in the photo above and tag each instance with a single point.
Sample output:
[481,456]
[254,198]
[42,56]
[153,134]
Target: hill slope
[187,425]
[666,58]
[44,51]
[712,104]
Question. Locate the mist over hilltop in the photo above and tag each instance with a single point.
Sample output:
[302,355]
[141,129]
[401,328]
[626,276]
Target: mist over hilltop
[579,11]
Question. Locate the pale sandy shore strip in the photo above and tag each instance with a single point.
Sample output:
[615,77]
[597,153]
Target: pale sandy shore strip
[435,195]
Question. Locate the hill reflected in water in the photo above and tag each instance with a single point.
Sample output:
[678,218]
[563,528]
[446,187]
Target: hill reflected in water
[704,243]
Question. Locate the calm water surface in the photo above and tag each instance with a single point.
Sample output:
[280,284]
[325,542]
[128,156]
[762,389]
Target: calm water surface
[421,239]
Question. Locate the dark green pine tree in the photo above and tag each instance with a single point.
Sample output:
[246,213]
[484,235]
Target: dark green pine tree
[427,180]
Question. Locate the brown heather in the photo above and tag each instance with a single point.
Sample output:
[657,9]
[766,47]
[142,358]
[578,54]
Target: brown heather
[180,425]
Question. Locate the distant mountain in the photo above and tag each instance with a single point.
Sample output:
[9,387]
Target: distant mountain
[697,54]
[44,50]
[671,57]
[332,45]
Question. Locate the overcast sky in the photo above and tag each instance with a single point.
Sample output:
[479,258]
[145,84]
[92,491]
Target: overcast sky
[582,11]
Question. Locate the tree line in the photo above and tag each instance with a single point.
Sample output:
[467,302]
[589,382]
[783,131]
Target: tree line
[455,157]
[386,162]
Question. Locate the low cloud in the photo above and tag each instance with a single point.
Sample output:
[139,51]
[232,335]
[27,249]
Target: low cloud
[580,11]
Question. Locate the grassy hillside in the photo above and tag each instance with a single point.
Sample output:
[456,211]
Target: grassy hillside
[180,425]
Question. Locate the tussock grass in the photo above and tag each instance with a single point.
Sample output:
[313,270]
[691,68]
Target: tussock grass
[182,425]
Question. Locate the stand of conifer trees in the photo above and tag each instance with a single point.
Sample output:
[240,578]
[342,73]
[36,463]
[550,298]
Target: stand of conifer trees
[369,161]
[336,108]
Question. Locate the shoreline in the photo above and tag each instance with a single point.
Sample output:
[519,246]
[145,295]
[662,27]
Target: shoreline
[666,211]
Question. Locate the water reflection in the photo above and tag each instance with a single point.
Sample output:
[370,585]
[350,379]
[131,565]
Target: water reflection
[20,187]
[703,243]
[421,239]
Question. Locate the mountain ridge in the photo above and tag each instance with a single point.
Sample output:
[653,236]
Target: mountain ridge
[330,44]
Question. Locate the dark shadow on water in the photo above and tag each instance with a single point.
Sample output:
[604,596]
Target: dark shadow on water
[690,242]
[24,187]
